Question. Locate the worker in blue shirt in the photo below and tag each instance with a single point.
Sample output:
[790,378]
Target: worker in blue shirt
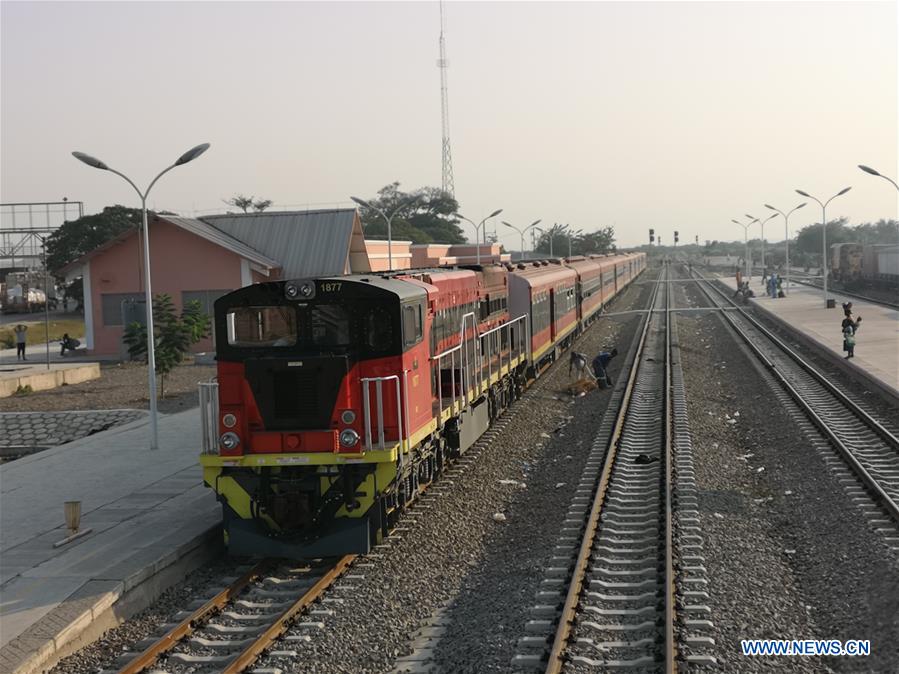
[601,365]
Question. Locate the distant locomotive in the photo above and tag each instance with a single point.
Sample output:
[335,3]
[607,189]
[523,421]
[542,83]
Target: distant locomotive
[340,398]
[855,264]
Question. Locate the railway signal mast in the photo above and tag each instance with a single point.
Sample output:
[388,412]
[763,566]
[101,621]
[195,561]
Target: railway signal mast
[447,183]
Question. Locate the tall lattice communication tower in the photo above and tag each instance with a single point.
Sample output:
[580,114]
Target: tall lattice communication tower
[448,184]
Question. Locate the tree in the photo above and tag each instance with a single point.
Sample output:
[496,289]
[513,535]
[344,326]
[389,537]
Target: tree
[882,231]
[173,335]
[240,201]
[808,239]
[430,218]
[74,238]
[589,243]
[245,203]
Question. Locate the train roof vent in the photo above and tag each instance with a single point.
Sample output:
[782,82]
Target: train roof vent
[520,266]
[556,260]
[545,263]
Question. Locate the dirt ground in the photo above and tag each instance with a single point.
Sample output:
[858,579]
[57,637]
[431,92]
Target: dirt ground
[120,386]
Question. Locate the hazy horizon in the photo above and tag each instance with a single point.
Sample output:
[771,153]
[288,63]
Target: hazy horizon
[670,115]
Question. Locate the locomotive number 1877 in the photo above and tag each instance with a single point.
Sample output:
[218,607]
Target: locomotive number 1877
[331,287]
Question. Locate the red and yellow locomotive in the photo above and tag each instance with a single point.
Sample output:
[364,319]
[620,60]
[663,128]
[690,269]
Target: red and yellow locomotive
[339,399]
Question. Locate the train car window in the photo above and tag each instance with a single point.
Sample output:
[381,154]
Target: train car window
[262,326]
[330,325]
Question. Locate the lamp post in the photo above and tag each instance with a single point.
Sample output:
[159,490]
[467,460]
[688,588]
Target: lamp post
[477,229]
[745,227]
[522,232]
[868,169]
[824,232]
[550,232]
[762,223]
[787,235]
[188,156]
[389,219]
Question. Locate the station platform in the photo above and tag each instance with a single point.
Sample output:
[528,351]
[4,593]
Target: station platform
[804,313]
[151,519]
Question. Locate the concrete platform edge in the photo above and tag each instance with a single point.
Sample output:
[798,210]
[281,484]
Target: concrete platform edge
[77,623]
[861,376]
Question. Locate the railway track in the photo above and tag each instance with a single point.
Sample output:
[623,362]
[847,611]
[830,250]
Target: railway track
[613,572]
[233,628]
[865,444]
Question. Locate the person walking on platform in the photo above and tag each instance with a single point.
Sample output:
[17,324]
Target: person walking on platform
[20,331]
[601,366]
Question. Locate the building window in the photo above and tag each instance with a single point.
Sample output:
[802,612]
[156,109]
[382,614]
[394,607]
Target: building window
[114,308]
[206,298]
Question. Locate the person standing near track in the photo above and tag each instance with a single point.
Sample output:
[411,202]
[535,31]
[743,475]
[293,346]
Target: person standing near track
[601,366]
[20,331]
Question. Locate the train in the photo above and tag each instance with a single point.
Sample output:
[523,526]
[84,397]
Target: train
[855,264]
[339,399]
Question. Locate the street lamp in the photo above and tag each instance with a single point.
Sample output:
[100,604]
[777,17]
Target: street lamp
[522,232]
[824,233]
[787,235]
[389,219]
[188,156]
[762,223]
[477,228]
[745,227]
[868,169]
[550,232]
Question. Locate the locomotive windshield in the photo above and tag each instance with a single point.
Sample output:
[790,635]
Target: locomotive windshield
[262,326]
[314,326]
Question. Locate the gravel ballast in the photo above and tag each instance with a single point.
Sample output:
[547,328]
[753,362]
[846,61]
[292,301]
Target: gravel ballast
[788,555]
[120,386]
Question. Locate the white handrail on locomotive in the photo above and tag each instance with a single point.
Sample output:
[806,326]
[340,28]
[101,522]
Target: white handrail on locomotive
[379,400]
[209,414]
[523,341]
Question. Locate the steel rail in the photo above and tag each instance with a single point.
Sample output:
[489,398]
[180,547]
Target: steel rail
[186,627]
[249,655]
[566,618]
[670,644]
[879,495]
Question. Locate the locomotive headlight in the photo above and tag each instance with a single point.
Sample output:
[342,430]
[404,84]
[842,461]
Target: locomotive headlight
[349,438]
[229,440]
[292,291]
[229,421]
[348,417]
[307,290]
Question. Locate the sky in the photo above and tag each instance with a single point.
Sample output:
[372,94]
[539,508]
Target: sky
[670,115]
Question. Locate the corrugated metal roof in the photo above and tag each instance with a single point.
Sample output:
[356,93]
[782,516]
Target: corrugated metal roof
[218,237]
[307,243]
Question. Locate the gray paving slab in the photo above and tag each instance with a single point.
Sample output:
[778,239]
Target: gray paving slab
[147,510]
